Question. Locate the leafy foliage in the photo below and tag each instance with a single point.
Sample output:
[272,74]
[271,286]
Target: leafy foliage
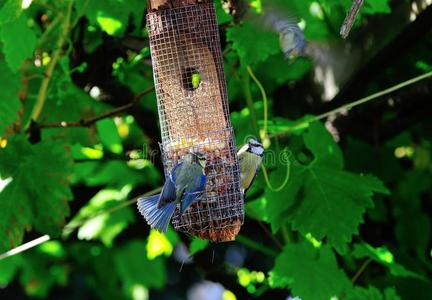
[341,211]
[319,266]
[9,102]
[25,202]
[16,50]
[320,193]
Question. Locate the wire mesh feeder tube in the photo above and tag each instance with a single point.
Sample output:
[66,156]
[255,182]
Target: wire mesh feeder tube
[193,113]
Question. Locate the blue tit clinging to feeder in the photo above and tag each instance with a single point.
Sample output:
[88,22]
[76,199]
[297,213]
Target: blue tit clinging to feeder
[250,158]
[184,185]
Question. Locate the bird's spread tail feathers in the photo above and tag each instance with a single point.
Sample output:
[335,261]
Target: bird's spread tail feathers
[157,218]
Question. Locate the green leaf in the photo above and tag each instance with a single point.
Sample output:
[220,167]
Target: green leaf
[134,268]
[384,257]
[197,245]
[372,293]
[9,101]
[158,244]
[221,15]
[40,272]
[118,174]
[112,15]
[104,226]
[276,70]
[9,267]
[252,44]
[99,268]
[38,191]
[10,11]
[257,209]
[19,42]
[109,136]
[310,273]
[376,6]
[320,197]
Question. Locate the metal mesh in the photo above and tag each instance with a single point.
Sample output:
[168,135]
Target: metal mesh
[193,112]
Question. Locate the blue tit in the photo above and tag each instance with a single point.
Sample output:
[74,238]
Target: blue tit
[250,158]
[292,41]
[291,37]
[185,184]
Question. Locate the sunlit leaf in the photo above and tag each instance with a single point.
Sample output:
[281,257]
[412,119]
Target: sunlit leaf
[157,245]
[383,256]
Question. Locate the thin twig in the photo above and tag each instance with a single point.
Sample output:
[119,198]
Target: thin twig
[361,270]
[42,95]
[25,246]
[249,102]
[70,228]
[355,103]
[350,18]
[51,26]
[90,121]
[257,246]
[270,235]
[264,96]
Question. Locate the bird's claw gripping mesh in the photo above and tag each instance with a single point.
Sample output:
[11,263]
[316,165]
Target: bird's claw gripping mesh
[193,112]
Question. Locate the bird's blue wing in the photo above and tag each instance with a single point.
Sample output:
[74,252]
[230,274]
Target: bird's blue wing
[193,194]
[168,193]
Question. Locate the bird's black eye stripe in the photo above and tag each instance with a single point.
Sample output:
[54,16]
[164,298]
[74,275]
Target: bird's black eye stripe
[256,145]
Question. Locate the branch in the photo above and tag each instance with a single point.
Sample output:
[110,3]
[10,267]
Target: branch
[69,228]
[42,95]
[90,121]
[350,105]
[361,270]
[350,18]
[256,246]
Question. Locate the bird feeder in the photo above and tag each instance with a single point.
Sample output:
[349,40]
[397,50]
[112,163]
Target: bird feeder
[193,111]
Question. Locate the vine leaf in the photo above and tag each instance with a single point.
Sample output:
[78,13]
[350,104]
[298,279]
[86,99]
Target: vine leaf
[264,43]
[19,42]
[311,273]
[321,198]
[111,15]
[9,101]
[10,11]
[372,293]
[36,191]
